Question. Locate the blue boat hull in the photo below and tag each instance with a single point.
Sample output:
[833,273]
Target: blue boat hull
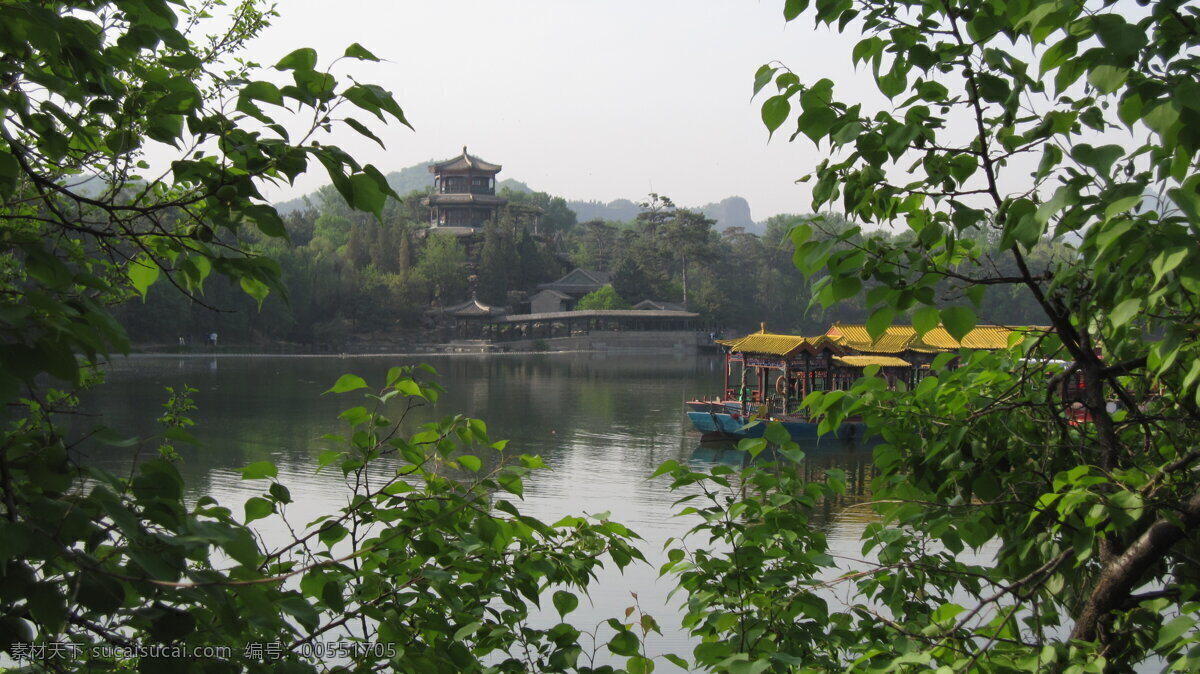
[734,426]
[705,422]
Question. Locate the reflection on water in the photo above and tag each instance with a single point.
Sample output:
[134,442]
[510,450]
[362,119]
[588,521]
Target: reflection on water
[601,422]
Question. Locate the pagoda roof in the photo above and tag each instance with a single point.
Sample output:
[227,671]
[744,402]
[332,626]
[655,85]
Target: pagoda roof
[579,282]
[473,307]
[464,199]
[649,305]
[464,162]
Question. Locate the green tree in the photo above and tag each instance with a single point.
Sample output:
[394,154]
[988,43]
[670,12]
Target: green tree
[553,214]
[595,245]
[429,561]
[689,238]
[498,263]
[1085,515]
[442,268]
[603,299]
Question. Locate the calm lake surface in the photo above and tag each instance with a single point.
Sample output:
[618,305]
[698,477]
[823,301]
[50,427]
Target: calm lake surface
[602,422]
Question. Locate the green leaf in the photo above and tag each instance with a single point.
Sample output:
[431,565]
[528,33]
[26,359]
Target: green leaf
[763,77]
[259,470]
[925,319]
[1100,159]
[1130,505]
[142,274]
[347,382]
[638,664]
[363,130]
[1108,79]
[880,321]
[375,100]
[753,446]
[1167,260]
[258,508]
[47,604]
[1162,118]
[793,8]
[624,643]
[678,661]
[1171,632]
[895,81]
[815,122]
[844,287]
[268,221]
[331,534]
[565,602]
[357,51]
[958,321]
[261,91]
[471,463]
[9,170]
[511,483]
[367,195]
[303,60]
[776,434]
[774,111]
[254,288]
[867,49]
[1124,312]
[280,493]
[466,630]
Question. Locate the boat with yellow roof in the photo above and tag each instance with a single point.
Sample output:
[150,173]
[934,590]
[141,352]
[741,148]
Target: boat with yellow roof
[768,374]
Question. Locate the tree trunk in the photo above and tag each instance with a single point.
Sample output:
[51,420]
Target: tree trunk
[1123,574]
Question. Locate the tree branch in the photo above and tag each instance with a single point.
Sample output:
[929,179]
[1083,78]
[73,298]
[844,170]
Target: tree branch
[1122,574]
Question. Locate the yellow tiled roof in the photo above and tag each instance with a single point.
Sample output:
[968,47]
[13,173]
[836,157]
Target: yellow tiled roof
[899,338]
[769,343]
[894,340]
[881,361]
[987,337]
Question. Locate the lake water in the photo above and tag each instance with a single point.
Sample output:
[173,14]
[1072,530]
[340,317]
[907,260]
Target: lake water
[602,422]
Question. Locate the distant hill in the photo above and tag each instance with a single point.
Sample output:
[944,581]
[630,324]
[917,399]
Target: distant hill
[729,212]
[621,210]
[732,212]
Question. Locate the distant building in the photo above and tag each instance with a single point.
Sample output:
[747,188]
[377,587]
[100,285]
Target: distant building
[655,305]
[464,194]
[471,319]
[578,283]
[549,301]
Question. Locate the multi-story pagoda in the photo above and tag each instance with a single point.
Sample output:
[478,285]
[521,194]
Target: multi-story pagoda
[464,193]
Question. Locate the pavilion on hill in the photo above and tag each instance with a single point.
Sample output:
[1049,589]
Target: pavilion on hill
[464,194]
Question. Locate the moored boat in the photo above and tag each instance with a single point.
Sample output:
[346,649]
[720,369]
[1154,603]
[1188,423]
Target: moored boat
[767,375]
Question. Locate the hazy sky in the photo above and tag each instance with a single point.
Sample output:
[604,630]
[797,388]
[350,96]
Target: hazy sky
[585,100]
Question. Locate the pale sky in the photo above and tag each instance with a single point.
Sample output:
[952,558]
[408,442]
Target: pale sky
[584,100]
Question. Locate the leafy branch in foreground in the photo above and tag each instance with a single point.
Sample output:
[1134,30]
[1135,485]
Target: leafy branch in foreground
[1064,466]
[426,568]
